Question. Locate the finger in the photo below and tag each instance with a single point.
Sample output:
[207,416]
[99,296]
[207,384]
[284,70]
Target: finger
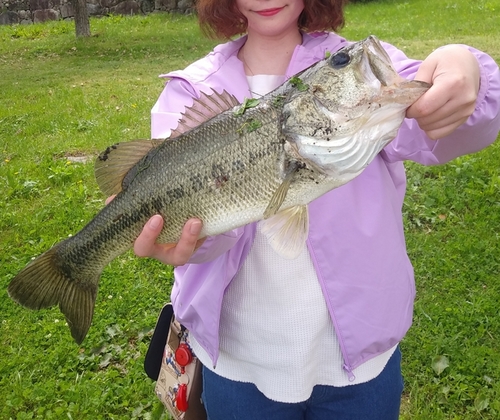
[171,254]
[452,120]
[446,119]
[427,102]
[427,68]
[145,244]
[110,199]
[188,242]
[427,105]
[446,115]
[441,132]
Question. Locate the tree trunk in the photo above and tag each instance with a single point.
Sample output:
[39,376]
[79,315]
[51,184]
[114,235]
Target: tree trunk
[82,23]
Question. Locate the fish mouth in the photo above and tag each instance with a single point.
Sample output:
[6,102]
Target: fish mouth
[379,69]
[377,62]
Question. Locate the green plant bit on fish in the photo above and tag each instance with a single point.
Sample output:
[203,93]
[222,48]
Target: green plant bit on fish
[247,104]
[279,100]
[327,54]
[250,125]
[298,83]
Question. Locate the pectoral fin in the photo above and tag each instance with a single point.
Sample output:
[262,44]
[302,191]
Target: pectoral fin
[280,194]
[287,231]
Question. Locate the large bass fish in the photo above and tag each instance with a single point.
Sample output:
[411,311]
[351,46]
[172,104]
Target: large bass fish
[231,164]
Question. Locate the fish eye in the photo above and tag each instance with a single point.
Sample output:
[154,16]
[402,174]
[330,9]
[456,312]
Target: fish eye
[340,60]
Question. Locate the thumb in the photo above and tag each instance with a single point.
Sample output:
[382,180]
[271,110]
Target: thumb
[422,105]
[110,199]
[425,72]
[144,245]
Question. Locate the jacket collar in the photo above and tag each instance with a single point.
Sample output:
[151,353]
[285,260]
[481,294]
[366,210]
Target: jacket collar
[313,48]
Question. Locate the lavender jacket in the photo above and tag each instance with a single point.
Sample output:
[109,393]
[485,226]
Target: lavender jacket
[356,238]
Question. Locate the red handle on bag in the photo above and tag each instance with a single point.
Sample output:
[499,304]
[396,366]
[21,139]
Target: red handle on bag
[183,355]
[181,399]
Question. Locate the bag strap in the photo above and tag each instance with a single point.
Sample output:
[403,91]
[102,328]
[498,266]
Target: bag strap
[152,361]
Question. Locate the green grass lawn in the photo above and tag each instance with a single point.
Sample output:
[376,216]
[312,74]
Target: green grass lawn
[62,98]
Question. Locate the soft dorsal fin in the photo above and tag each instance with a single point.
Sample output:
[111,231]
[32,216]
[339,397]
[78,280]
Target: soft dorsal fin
[287,231]
[203,109]
[115,162]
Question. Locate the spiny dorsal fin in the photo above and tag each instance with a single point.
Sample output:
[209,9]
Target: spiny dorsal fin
[203,109]
[115,162]
[287,231]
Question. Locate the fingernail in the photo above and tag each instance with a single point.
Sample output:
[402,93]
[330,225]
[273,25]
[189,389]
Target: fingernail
[154,222]
[194,229]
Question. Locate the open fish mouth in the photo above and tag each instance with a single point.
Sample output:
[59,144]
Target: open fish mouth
[379,61]
[379,65]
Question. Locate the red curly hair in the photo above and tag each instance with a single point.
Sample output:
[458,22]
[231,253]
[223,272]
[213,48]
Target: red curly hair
[222,19]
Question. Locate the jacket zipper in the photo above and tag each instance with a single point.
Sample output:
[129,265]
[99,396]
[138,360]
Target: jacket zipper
[347,365]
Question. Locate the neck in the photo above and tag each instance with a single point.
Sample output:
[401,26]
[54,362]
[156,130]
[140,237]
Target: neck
[268,55]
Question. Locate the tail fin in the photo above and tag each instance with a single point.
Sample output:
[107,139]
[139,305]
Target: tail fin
[46,281]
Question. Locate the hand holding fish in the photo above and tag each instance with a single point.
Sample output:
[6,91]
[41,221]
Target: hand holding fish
[454,74]
[174,253]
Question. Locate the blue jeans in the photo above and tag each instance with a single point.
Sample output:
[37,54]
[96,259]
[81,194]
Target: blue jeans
[378,399]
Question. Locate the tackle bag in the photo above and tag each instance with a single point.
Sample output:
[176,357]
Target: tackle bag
[171,362]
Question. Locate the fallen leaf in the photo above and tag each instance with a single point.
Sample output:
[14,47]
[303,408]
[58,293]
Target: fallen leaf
[439,364]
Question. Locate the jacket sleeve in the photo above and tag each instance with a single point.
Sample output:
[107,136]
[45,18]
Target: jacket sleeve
[215,246]
[479,131]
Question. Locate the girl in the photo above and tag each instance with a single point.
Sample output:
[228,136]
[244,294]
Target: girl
[315,337]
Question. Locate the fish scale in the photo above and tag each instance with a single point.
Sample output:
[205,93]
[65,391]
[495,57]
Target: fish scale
[236,164]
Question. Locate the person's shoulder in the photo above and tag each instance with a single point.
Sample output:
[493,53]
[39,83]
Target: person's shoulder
[323,40]
[315,47]
[200,70]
